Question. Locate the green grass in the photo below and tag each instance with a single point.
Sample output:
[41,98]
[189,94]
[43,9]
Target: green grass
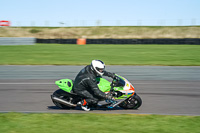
[97,123]
[60,54]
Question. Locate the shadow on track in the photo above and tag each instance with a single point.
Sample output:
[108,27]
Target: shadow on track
[79,108]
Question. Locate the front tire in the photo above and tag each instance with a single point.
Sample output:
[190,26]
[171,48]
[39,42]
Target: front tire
[133,102]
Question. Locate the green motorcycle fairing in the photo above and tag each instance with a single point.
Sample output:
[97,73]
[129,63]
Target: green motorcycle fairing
[103,84]
[65,84]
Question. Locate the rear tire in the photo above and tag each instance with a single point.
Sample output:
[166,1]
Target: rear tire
[133,102]
[58,93]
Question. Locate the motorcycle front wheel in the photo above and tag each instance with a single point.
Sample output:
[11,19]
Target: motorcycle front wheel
[133,102]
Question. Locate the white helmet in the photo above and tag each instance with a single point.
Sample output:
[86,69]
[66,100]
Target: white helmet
[98,67]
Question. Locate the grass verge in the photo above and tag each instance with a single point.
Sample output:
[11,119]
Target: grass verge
[98,123]
[58,54]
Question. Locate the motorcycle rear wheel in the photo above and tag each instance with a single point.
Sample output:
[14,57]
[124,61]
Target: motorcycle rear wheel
[133,102]
[58,93]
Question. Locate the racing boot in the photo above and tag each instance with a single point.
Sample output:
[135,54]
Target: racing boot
[85,106]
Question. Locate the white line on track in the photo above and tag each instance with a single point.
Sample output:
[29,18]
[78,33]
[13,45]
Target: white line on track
[99,112]
[134,83]
[26,83]
[54,83]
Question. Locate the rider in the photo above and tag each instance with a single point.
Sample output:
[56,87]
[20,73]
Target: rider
[85,84]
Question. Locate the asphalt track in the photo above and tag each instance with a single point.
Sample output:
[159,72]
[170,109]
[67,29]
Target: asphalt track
[166,90]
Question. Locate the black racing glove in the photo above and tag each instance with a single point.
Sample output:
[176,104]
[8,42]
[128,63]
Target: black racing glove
[109,74]
[116,78]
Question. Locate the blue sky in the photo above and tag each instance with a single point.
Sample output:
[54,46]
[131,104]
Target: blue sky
[101,12]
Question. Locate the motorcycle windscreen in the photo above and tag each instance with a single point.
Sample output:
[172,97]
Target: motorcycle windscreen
[120,83]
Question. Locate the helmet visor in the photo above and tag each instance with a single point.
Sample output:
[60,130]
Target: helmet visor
[101,70]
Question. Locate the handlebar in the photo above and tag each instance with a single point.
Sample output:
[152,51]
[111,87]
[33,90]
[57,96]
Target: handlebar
[117,81]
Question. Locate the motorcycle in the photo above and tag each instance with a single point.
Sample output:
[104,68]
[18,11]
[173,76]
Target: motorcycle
[120,88]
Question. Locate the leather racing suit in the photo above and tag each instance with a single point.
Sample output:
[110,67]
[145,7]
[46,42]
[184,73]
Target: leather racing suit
[85,85]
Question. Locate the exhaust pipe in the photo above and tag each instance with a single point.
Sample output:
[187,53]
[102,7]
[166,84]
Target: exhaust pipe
[62,101]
